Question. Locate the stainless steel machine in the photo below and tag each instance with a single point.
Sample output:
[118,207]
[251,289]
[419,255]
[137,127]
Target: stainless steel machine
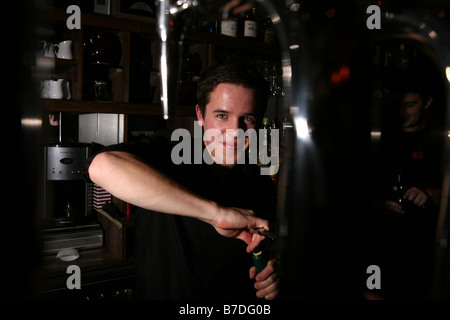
[68,196]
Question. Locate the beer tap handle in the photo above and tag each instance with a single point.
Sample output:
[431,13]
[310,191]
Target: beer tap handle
[172,24]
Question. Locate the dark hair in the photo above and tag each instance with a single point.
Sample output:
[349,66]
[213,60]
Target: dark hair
[233,72]
[417,82]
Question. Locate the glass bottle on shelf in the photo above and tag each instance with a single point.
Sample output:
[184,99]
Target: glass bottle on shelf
[249,25]
[268,34]
[229,27]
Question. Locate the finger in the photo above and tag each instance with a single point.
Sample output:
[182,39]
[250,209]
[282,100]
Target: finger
[411,196]
[407,194]
[264,285]
[257,223]
[421,199]
[255,241]
[268,292]
[421,203]
[252,272]
[410,192]
[271,295]
[266,272]
[394,206]
[417,197]
[398,210]
[246,237]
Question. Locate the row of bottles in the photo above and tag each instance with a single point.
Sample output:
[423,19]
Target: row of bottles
[246,26]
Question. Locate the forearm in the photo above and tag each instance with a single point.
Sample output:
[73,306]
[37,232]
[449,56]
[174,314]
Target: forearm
[131,180]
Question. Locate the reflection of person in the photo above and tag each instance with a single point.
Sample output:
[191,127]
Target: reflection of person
[183,211]
[411,179]
[422,169]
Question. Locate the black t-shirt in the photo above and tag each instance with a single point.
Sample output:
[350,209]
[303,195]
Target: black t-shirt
[185,258]
[405,242]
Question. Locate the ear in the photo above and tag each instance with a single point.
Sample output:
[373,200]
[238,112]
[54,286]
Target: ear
[430,100]
[199,115]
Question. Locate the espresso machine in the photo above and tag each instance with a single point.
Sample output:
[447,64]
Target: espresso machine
[67,194]
[324,187]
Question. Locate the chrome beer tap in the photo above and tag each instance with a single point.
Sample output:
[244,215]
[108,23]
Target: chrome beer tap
[172,23]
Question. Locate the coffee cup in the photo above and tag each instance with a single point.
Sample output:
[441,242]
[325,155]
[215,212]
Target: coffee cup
[45,88]
[63,49]
[59,89]
[47,49]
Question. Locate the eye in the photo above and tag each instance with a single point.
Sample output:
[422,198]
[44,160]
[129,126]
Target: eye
[250,119]
[410,104]
[222,116]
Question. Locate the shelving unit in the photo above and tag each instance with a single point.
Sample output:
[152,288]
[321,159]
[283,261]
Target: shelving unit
[89,106]
[73,70]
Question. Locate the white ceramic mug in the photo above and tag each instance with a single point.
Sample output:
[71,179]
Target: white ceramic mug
[63,49]
[55,89]
[59,89]
[47,49]
[66,90]
[45,88]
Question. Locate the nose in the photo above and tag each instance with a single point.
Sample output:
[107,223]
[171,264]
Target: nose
[233,127]
[235,123]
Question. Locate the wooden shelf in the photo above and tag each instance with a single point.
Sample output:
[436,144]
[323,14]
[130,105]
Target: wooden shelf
[149,27]
[79,106]
[106,21]
[57,61]
[253,46]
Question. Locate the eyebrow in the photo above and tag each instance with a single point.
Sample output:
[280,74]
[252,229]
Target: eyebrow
[220,111]
[227,112]
[411,101]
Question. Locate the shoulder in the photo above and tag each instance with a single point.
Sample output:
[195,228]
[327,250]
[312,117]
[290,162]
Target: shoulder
[154,148]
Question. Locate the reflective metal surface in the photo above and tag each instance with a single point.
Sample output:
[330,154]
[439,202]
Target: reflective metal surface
[322,188]
[325,184]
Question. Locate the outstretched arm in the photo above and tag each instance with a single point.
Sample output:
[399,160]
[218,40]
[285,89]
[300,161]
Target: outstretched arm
[132,180]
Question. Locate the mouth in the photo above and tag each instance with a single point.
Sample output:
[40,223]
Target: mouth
[236,144]
[404,118]
[230,146]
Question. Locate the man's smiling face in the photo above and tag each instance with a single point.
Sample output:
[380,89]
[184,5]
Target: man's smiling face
[230,107]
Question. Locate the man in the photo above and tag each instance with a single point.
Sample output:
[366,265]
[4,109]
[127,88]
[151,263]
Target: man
[414,152]
[411,182]
[193,220]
